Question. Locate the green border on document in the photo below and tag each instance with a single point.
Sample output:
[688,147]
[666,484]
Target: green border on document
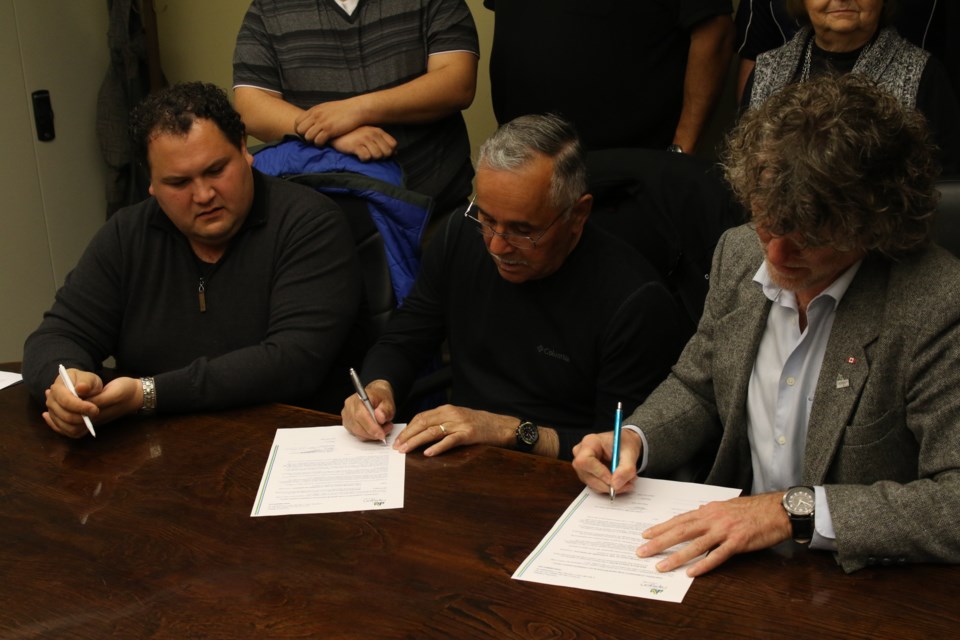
[546,541]
[263,491]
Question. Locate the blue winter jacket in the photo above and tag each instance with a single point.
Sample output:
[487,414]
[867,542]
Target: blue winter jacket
[399,214]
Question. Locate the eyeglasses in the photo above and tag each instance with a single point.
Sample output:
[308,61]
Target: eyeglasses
[799,241]
[516,240]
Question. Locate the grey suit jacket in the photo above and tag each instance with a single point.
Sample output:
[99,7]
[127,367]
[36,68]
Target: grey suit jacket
[886,446]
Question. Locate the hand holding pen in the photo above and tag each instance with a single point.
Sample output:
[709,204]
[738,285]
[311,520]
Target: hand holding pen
[615,458]
[68,383]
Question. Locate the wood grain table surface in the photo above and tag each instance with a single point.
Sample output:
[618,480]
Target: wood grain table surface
[145,532]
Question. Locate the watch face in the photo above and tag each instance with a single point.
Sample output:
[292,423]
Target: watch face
[799,501]
[527,432]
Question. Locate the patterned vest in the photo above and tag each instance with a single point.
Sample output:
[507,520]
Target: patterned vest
[890,61]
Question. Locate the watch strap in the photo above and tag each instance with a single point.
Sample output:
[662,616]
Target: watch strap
[801,523]
[802,528]
[149,388]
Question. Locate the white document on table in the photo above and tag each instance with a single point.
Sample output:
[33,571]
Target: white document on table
[328,470]
[8,379]
[593,544]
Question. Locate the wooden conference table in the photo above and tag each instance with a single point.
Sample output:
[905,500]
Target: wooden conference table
[145,532]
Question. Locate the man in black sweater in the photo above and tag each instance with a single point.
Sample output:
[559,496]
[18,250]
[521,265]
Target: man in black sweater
[550,321]
[226,287]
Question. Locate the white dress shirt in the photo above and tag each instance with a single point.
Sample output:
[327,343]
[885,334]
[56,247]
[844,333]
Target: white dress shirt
[781,391]
[348,5]
[782,387]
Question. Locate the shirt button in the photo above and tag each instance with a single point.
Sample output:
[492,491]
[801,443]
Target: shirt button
[791,381]
[782,440]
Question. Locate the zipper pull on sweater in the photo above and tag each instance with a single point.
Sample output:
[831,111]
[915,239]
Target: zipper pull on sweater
[202,296]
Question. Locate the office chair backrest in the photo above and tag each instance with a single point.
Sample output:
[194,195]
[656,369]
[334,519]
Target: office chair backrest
[378,300]
[946,224]
[671,207]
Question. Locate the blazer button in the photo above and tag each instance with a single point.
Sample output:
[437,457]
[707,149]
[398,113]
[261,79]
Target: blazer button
[871,560]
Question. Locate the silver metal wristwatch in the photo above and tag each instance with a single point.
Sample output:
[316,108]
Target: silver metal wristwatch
[149,405]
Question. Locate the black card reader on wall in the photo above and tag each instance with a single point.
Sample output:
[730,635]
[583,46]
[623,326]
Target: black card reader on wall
[43,115]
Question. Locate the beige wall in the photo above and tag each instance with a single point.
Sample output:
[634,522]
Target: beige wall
[196,43]
[53,195]
[196,38]
[479,117]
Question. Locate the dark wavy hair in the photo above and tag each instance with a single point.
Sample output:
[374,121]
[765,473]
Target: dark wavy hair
[839,161]
[516,143]
[798,11]
[174,109]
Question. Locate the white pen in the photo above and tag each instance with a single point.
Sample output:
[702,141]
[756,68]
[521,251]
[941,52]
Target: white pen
[69,384]
[363,397]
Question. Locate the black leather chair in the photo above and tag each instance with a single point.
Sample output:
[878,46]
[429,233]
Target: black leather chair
[377,303]
[671,207]
[946,224]
[379,300]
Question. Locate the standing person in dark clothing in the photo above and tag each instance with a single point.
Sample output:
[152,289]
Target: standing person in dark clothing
[627,73]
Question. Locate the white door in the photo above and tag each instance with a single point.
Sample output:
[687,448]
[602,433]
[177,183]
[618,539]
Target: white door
[51,193]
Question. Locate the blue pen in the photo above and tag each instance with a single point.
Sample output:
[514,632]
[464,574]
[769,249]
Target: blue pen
[615,460]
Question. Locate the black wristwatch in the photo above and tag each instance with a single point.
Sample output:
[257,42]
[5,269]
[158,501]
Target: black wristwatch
[527,436]
[799,503]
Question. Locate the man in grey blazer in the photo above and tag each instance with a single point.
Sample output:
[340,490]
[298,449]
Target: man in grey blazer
[823,379]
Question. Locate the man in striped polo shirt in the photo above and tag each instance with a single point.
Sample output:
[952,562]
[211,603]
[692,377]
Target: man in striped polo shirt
[371,78]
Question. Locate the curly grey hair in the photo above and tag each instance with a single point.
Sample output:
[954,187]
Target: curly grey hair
[840,162]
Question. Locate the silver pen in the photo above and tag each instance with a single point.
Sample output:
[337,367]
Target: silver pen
[363,397]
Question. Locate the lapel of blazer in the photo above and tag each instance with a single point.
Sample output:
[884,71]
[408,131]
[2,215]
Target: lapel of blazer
[845,367]
[736,342]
